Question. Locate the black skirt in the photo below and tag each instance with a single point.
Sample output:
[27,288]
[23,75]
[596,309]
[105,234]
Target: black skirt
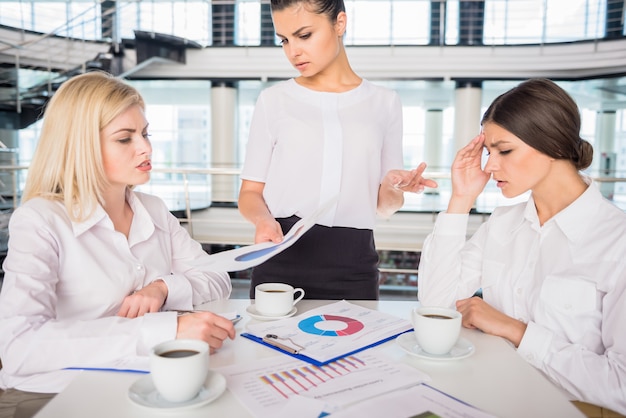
[327,262]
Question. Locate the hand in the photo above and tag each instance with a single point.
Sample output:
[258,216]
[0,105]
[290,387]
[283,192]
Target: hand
[478,314]
[149,299]
[205,326]
[409,181]
[468,178]
[268,230]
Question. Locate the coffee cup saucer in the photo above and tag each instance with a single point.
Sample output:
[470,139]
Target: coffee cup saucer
[462,349]
[260,317]
[143,393]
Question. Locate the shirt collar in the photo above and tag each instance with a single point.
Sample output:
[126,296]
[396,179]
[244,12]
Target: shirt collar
[571,220]
[143,223]
[98,216]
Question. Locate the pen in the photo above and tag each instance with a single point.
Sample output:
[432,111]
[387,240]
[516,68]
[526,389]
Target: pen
[234,320]
[272,339]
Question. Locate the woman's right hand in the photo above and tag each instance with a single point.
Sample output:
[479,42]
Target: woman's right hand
[205,326]
[468,177]
[253,207]
[268,230]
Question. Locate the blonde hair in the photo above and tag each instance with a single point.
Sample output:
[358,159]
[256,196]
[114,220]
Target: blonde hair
[67,163]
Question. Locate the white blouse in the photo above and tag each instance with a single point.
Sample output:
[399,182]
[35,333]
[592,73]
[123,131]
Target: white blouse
[565,279]
[309,146]
[64,283]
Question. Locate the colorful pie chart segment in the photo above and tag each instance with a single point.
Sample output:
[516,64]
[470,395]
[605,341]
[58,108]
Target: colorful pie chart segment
[330,325]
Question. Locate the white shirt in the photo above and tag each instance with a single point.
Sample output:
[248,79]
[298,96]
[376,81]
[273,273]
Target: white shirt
[565,279]
[309,146]
[64,283]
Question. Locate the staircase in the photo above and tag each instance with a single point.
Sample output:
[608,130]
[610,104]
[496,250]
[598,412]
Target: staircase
[33,66]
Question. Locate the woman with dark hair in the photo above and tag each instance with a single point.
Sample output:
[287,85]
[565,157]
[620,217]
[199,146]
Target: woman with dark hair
[552,270]
[323,134]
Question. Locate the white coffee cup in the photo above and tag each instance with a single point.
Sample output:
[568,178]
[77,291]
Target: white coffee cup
[179,368]
[276,299]
[436,329]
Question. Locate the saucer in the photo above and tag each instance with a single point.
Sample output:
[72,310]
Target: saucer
[256,315]
[143,393]
[463,348]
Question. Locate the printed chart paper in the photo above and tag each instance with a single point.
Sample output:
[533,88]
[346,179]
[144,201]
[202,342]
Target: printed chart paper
[243,258]
[332,331]
[267,386]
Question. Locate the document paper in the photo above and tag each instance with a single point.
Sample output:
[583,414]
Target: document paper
[332,331]
[243,258]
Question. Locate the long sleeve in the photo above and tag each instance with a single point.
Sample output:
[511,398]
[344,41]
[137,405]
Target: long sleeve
[449,266]
[36,337]
[64,284]
[187,274]
[565,279]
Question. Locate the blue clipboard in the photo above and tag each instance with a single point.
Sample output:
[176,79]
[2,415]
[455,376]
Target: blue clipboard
[316,362]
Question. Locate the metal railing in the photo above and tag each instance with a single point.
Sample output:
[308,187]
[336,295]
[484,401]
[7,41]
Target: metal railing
[11,193]
[392,279]
[396,22]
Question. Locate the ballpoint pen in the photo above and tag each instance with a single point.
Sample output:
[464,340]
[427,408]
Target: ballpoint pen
[272,339]
[234,320]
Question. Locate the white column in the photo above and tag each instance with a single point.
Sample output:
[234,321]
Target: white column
[433,138]
[467,103]
[433,143]
[223,142]
[604,155]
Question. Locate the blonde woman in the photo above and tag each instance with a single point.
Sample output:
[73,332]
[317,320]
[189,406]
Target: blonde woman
[93,266]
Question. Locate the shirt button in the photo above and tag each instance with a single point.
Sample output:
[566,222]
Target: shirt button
[139,267]
[518,291]
[568,306]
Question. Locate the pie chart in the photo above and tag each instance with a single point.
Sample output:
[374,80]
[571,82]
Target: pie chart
[330,325]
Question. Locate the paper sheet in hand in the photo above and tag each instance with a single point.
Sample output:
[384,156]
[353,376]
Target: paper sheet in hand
[332,331]
[243,258]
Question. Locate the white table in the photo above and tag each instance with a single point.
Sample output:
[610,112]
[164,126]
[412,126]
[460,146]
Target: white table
[495,378]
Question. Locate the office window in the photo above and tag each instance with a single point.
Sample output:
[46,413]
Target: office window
[542,21]
[248,23]
[184,19]
[410,22]
[399,22]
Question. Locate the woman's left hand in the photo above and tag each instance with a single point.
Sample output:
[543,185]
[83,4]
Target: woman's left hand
[409,180]
[149,299]
[480,315]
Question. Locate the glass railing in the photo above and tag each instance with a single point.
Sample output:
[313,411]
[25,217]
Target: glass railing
[190,199]
[371,22]
[192,193]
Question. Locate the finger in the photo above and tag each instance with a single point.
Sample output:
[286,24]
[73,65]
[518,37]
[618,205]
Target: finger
[132,313]
[226,325]
[478,143]
[123,311]
[420,169]
[430,183]
[475,144]
[215,342]
[143,310]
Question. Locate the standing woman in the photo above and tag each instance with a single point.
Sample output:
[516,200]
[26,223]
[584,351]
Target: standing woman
[552,270]
[324,134]
[93,266]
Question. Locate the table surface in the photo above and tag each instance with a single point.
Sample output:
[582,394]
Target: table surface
[495,378]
